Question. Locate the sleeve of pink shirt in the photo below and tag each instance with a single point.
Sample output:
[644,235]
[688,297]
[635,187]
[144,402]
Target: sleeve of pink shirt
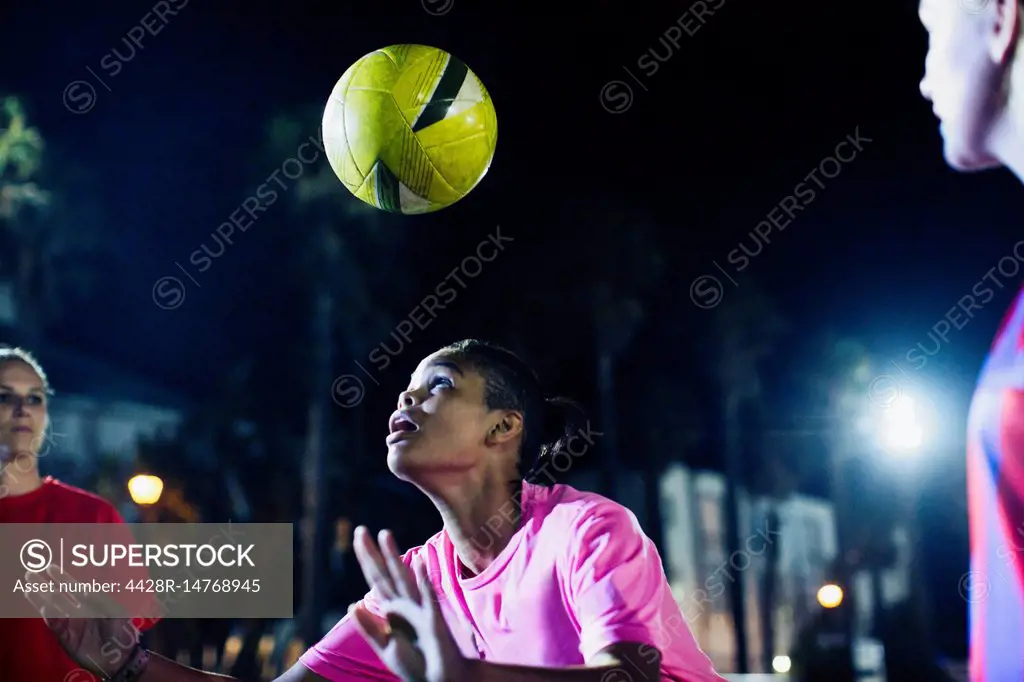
[343,655]
[615,580]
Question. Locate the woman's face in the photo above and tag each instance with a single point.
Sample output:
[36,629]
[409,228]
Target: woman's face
[961,79]
[442,423]
[23,415]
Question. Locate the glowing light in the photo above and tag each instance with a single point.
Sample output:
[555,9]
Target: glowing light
[901,429]
[145,489]
[781,664]
[830,596]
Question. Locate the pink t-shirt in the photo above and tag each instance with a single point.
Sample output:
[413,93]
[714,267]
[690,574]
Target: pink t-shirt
[578,576]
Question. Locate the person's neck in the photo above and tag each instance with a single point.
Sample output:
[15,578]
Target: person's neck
[19,476]
[1007,138]
[480,519]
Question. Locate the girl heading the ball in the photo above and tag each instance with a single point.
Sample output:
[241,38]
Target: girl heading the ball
[527,579]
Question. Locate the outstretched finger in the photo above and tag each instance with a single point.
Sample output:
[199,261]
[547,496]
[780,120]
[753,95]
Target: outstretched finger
[370,560]
[403,578]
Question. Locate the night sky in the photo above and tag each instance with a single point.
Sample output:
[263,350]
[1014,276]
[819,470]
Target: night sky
[741,113]
[713,139]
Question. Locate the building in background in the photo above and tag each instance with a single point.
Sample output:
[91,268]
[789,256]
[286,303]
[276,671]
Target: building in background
[700,568]
[100,410]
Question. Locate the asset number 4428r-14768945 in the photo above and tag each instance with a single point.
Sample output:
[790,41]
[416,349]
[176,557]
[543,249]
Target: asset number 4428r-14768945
[196,585]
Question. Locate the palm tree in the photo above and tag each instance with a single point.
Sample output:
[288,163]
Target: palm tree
[664,423]
[774,474]
[742,333]
[625,266]
[345,279]
[47,249]
[21,156]
[599,272]
[842,385]
[21,200]
[865,533]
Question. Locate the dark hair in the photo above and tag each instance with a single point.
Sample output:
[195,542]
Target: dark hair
[549,424]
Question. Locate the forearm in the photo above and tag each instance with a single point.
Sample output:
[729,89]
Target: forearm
[485,671]
[161,669]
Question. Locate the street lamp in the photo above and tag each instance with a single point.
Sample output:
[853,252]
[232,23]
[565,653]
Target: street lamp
[830,596]
[145,489]
[900,428]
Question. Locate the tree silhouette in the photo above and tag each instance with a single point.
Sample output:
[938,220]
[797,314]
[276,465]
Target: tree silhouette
[606,269]
[341,254]
[22,202]
[663,424]
[742,334]
[50,228]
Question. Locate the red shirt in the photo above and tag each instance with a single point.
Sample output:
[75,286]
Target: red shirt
[28,650]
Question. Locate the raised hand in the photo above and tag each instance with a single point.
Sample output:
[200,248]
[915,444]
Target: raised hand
[100,645]
[414,641]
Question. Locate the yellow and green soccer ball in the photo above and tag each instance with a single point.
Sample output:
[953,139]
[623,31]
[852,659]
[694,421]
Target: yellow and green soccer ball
[410,129]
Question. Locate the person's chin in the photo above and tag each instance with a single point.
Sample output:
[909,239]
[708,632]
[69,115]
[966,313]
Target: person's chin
[19,444]
[968,158]
[967,164]
[402,456]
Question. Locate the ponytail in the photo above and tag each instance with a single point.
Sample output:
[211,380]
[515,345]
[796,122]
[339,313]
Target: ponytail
[562,420]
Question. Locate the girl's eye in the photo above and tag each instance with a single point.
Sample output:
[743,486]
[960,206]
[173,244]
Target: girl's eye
[440,381]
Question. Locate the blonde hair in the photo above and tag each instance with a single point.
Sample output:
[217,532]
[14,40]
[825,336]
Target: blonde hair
[9,354]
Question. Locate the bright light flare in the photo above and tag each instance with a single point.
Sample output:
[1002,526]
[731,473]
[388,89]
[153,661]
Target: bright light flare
[830,596]
[900,429]
[145,489]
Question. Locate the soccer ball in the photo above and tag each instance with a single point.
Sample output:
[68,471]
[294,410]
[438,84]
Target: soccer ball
[410,129]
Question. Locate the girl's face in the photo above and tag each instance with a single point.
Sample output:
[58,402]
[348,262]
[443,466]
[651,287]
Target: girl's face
[23,409]
[442,423]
